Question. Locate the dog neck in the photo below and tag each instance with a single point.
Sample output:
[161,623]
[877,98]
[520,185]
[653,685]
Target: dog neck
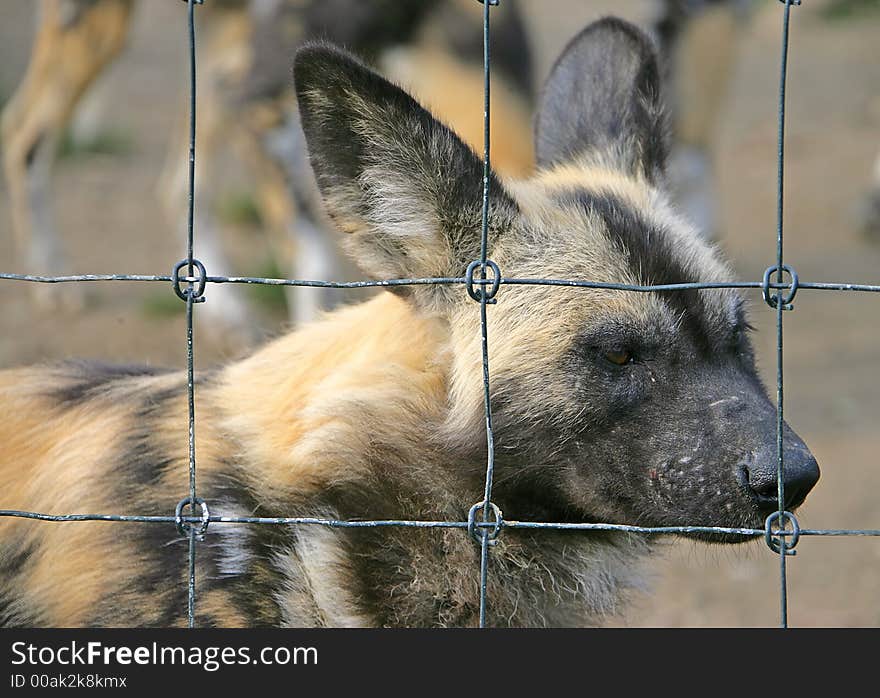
[333,402]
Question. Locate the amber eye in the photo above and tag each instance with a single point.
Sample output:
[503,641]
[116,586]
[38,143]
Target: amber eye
[619,357]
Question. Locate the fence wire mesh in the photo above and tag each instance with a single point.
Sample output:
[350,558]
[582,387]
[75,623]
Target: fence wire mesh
[483,280]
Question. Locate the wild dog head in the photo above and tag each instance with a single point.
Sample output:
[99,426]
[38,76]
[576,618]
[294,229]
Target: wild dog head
[609,405]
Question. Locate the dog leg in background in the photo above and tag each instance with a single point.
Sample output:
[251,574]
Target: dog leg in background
[302,240]
[88,122]
[701,52]
[74,41]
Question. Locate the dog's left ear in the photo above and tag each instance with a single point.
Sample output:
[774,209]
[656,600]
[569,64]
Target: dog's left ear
[603,97]
[403,186]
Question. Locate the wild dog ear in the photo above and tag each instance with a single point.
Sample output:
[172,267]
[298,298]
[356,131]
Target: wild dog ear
[603,95]
[404,187]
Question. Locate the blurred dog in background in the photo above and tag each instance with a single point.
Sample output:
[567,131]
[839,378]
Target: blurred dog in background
[245,99]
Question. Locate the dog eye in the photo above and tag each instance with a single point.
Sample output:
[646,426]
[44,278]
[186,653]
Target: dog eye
[619,357]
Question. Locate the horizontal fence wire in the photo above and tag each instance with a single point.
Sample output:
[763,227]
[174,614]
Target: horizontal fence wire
[450,281]
[489,524]
[415,523]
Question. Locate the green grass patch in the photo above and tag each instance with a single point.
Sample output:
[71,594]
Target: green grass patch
[839,10]
[239,209]
[270,298]
[162,304]
[108,141]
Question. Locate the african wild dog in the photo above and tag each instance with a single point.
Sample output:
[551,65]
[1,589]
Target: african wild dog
[609,405]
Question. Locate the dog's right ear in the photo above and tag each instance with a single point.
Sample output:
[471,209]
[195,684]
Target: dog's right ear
[603,97]
[403,186]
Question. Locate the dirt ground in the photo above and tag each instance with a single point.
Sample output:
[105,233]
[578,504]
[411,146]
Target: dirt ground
[111,222]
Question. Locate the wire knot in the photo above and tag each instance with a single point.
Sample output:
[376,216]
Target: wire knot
[196,288]
[185,527]
[478,530]
[479,295]
[792,288]
[776,542]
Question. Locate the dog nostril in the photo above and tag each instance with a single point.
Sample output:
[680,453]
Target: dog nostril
[761,478]
[764,487]
[757,477]
[800,475]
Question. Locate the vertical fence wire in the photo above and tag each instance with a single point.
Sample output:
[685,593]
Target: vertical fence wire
[780,308]
[190,300]
[484,245]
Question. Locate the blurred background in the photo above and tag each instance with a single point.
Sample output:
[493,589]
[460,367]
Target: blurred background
[104,192]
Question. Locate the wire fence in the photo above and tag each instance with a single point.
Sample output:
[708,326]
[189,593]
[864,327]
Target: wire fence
[485,522]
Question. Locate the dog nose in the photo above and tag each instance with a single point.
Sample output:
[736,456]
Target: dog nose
[800,473]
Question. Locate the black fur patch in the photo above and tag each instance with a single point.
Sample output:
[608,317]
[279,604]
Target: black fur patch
[12,616]
[366,27]
[652,258]
[511,54]
[530,494]
[141,463]
[161,578]
[253,590]
[13,560]
[254,593]
[12,563]
[381,558]
[84,380]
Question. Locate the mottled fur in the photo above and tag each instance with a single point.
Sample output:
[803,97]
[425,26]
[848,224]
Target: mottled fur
[375,411]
